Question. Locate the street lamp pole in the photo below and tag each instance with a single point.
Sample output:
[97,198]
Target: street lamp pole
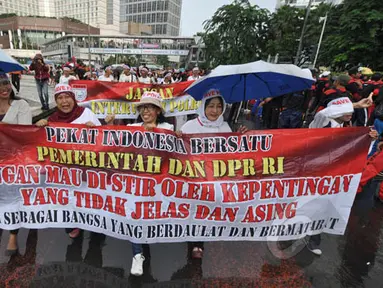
[320,40]
[89,56]
[197,39]
[303,33]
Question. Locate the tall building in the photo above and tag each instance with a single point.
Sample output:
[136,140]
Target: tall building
[164,16]
[21,7]
[103,14]
[304,3]
[23,37]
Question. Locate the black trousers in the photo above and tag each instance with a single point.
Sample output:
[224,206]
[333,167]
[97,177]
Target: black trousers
[16,81]
[270,116]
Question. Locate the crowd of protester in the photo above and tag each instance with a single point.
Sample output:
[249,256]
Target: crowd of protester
[334,101]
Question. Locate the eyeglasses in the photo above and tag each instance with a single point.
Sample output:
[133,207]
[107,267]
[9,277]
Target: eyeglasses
[149,107]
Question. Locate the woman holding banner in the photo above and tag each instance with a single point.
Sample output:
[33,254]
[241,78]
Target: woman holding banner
[69,112]
[337,114]
[12,111]
[151,115]
[210,120]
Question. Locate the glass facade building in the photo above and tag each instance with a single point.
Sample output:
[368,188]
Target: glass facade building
[164,16]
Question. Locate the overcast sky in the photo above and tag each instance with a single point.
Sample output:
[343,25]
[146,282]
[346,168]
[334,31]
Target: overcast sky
[195,12]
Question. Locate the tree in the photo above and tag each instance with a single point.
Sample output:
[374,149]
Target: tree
[353,35]
[361,33]
[163,60]
[285,29]
[236,34]
[110,61]
[286,25]
[330,51]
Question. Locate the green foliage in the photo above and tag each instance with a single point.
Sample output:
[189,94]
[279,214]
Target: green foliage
[354,35]
[236,34]
[241,32]
[163,60]
[285,29]
[72,20]
[7,15]
[129,60]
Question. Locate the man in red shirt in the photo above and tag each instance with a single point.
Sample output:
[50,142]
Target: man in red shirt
[355,87]
[42,78]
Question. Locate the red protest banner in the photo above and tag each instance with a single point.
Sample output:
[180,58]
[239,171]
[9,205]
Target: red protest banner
[117,180]
[105,98]
[127,91]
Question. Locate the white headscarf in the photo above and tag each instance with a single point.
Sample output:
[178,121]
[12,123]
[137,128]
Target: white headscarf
[213,93]
[335,109]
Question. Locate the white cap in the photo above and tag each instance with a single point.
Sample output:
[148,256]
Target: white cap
[63,88]
[325,74]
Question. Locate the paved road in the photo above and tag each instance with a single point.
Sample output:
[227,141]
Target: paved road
[28,91]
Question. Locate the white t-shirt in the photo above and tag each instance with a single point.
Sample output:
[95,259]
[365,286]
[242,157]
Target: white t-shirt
[160,80]
[192,78]
[162,125]
[128,78]
[146,80]
[87,116]
[65,80]
[195,126]
[107,79]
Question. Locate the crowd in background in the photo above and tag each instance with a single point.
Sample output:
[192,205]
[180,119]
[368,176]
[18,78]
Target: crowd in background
[49,75]
[121,73]
[298,110]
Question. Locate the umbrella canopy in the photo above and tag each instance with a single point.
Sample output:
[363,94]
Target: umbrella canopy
[254,80]
[8,64]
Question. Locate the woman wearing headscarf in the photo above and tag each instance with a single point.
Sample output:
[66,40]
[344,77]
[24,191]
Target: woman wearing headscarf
[68,111]
[337,114]
[12,111]
[151,115]
[210,120]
